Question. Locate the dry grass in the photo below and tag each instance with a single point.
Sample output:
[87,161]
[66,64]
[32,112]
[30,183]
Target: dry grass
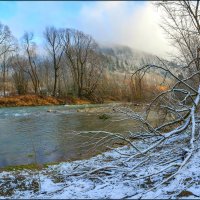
[162,88]
[37,100]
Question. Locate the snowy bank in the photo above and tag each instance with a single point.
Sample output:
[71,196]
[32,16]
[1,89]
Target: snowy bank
[111,175]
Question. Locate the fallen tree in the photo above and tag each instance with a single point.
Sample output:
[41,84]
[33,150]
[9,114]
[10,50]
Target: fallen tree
[183,118]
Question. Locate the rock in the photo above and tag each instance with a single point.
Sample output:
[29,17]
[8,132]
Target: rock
[54,111]
[185,193]
[104,116]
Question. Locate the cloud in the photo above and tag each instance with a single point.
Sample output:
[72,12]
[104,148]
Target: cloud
[128,23]
[35,16]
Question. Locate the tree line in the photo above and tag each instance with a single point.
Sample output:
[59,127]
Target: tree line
[70,63]
[69,57]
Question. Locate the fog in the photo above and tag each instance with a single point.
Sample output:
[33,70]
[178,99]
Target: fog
[135,24]
[115,23]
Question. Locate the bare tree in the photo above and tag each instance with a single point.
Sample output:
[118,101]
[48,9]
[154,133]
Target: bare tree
[5,69]
[46,75]
[178,116]
[20,74]
[7,45]
[181,24]
[137,85]
[5,38]
[82,57]
[55,50]
[30,52]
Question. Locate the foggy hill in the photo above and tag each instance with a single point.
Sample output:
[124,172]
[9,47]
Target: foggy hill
[123,58]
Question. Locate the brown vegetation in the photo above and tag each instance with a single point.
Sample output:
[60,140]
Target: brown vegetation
[38,100]
[73,69]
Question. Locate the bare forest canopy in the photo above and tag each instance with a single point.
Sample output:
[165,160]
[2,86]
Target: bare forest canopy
[72,64]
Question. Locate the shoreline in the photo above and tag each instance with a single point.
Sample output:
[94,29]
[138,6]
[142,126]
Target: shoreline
[39,100]
[108,175]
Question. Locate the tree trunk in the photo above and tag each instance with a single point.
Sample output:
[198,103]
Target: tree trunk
[55,82]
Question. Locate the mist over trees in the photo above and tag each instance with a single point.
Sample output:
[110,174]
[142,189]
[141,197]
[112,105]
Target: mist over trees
[70,63]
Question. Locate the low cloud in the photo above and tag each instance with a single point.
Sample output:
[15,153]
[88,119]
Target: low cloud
[135,24]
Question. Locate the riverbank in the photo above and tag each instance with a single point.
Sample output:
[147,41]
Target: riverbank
[111,175]
[38,100]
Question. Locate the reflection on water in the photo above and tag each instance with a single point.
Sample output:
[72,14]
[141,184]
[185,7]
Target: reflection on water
[31,133]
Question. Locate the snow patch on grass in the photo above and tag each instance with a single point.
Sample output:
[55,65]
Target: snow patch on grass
[110,175]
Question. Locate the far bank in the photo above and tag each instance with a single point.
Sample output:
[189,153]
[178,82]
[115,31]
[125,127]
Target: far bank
[39,100]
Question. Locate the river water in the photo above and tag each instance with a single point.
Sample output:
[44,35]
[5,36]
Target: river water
[46,134]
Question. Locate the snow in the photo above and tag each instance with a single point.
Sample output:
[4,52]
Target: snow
[110,175]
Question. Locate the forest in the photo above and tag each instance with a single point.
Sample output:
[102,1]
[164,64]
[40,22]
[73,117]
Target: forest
[71,64]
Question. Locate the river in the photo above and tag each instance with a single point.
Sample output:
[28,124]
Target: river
[46,134]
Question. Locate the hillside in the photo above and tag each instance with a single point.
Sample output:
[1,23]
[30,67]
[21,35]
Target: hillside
[125,59]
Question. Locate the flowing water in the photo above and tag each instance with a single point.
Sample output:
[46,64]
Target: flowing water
[47,133]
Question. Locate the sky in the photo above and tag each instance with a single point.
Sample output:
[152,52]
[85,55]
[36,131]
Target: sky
[130,23]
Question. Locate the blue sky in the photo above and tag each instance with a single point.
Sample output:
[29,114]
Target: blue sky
[128,23]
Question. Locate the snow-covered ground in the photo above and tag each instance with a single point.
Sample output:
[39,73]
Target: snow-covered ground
[111,175]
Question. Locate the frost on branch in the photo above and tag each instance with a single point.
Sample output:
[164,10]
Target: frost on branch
[177,109]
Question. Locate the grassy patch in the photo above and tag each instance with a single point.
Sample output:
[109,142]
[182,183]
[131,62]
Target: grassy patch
[32,166]
[22,167]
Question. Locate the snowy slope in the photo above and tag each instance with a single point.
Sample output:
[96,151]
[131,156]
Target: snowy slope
[111,175]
